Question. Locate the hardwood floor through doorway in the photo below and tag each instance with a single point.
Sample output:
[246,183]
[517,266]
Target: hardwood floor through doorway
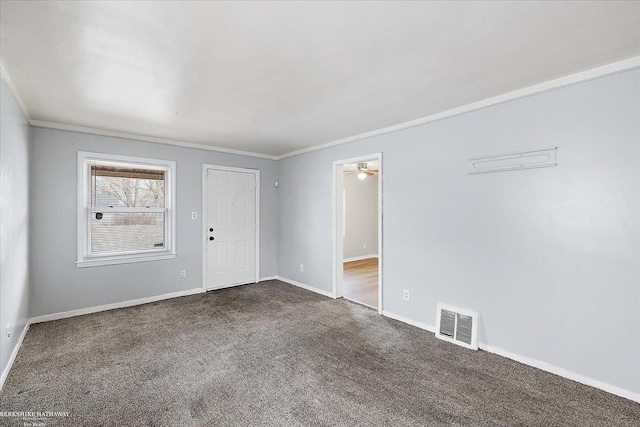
[361,281]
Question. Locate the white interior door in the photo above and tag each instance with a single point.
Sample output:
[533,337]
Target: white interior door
[230,228]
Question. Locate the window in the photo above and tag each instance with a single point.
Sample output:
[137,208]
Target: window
[125,211]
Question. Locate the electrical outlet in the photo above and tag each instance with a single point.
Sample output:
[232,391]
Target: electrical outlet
[183,274]
[301,267]
[194,215]
[405,294]
[364,246]
[8,331]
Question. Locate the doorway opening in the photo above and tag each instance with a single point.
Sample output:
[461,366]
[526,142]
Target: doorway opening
[358,230]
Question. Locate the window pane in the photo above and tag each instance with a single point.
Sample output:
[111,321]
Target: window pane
[127,186]
[124,232]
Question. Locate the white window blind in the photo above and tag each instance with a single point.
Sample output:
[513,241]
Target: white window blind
[128,211]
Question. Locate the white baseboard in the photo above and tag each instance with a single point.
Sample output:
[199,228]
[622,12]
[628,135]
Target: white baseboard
[307,287]
[409,321]
[82,311]
[14,353]
[359,258]
[627,394]
[264,279]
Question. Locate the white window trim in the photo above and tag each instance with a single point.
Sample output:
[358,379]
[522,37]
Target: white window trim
[83,258]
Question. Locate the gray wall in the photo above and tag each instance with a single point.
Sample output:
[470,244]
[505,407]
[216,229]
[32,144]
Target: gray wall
[549,257]
[58,285]
[14,221]
[361,216]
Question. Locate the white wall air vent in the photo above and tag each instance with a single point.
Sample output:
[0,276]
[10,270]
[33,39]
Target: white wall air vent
[457,325]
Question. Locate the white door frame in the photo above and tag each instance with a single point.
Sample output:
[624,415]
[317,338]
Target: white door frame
[337,214]
[256,172]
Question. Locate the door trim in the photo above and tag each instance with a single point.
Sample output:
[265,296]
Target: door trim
[337,221]
[256,172]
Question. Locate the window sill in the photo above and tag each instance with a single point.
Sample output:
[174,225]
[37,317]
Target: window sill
[123,260]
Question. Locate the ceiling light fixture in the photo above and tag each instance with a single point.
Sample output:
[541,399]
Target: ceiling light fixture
[361,170]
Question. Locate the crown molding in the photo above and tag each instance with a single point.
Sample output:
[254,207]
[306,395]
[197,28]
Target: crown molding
[13,90]
[125,135]
[583,76]
[136,137]
[572,79]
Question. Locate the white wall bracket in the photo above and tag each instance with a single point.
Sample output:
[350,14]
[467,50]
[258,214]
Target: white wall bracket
[544,158]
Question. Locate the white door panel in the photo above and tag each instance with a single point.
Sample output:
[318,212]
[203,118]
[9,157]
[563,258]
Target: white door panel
[231,221]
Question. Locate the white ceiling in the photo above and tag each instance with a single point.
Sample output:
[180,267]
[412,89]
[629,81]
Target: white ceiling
[273,77]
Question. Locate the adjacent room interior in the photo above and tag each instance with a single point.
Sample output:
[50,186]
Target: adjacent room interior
[360,239]
[319,213]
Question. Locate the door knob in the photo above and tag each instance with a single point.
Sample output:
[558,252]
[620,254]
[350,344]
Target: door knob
[211,238]
[211,229]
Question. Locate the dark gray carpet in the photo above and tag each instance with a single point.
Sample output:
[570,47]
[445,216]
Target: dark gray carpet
[273,354]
